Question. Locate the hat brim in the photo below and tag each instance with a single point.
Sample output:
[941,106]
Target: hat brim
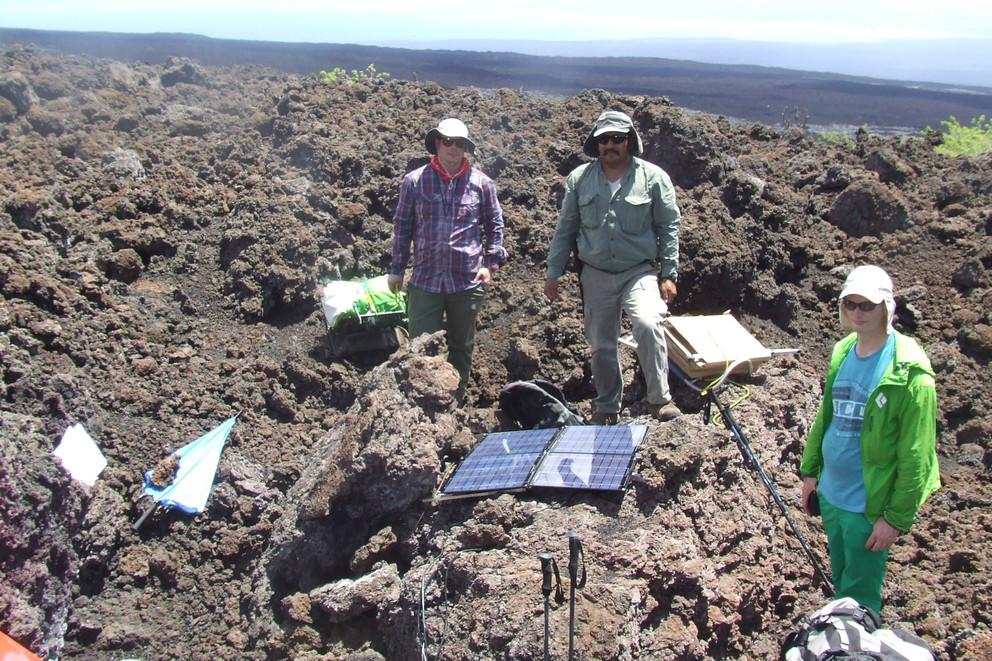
[873,294]
[591,146]
[430,141]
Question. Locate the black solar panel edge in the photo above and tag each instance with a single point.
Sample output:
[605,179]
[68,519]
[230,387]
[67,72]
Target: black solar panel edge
[544,453]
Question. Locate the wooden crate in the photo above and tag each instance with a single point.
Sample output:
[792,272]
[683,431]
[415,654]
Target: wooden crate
[704,346]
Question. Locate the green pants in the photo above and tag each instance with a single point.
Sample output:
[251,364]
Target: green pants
[455,313]
[857,572]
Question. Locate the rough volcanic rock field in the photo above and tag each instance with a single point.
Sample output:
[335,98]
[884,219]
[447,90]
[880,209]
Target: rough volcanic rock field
[163,233]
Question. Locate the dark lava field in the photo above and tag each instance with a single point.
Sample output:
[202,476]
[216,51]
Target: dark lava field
[164,231]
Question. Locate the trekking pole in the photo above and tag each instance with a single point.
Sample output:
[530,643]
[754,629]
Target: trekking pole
[752,460]
[547,561]
[574,561]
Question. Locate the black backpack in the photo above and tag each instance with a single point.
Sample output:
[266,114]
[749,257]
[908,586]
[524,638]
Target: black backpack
[844,629]
[537,404]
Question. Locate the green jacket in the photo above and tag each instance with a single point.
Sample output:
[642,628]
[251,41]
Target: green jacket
[898,434]
[617,232]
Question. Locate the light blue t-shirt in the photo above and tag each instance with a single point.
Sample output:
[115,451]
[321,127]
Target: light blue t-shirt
[842,481]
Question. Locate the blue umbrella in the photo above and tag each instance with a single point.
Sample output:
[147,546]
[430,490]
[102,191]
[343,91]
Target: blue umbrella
[194,479]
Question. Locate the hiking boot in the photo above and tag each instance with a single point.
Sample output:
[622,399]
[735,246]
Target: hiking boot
[599,418]
[665,412]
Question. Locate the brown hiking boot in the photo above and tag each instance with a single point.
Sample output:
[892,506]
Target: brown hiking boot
[665,412]
[599,418]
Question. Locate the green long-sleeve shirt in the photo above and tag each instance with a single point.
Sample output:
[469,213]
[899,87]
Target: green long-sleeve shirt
[640,223]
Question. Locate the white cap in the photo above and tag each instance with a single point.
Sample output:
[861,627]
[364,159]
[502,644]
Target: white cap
[872,283]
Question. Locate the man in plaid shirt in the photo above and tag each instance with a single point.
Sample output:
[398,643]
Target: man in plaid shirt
[448,210]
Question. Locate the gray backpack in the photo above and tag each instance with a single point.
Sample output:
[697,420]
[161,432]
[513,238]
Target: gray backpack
[844,629]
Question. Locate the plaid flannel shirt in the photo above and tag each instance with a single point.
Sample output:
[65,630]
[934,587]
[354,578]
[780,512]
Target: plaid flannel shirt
[455,225]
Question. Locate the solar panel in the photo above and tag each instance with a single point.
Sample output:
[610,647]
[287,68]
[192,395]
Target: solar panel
[502,460]
[575,457]
[590,457]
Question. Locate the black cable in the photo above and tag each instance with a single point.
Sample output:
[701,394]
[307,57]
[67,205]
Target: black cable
[422,615]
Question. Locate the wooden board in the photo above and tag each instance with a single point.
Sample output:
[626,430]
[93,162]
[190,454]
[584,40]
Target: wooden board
[704,346]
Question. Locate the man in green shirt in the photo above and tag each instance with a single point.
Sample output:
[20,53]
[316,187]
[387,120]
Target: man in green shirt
[619,214]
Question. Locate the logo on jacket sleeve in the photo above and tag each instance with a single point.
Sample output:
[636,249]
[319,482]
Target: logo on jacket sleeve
[880,400]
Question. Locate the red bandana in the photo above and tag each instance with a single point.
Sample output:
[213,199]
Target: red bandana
[436,164]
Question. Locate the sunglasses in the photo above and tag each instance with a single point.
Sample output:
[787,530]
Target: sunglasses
[615,139]
[864,306]
[458,142]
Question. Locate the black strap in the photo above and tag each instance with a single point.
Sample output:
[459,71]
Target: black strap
[559,592]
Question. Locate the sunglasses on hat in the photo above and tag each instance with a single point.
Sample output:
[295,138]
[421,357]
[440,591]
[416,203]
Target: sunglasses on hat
[864,306]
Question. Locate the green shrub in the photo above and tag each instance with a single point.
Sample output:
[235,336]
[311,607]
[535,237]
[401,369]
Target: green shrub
[338,74]
[970,140]
[838,138]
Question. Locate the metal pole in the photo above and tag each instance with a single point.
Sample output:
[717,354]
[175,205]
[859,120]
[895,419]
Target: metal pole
[574,549]
[752,459]
[546,560]
[731,424]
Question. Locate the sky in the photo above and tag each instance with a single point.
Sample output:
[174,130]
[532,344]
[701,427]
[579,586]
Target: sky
[379,22]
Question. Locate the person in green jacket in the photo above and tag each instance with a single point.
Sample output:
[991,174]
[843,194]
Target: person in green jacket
[620,216]
[871,459]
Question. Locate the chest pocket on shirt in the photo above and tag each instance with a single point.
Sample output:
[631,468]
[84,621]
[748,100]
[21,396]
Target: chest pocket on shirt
[634,213]
[425,203]
[587,211]
[882,426]
[469,204]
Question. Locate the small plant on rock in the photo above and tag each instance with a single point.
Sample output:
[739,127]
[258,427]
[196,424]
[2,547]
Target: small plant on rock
[338,74]
[965,140]
[838,138]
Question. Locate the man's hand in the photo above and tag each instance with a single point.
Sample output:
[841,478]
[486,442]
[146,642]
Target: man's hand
[809,486]
[395,283]
[484,276]
[882,535]
[551,289]
[668,290]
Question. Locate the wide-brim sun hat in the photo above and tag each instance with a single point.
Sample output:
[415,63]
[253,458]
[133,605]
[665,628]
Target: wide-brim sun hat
[448,128]
[612,121]
[872,283]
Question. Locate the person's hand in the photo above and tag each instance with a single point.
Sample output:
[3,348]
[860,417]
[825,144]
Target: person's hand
[395,283]
[668,290]
[809,486]
[883,534]
[551,289]
[484,276]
